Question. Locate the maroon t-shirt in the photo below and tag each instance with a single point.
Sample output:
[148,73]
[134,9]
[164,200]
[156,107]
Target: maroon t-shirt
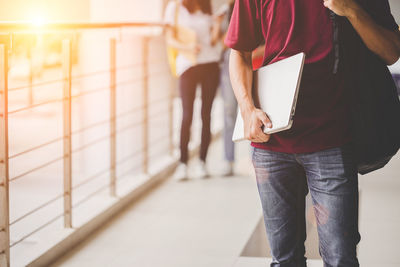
[322,118]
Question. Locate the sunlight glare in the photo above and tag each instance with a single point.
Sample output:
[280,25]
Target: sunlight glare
[38,21]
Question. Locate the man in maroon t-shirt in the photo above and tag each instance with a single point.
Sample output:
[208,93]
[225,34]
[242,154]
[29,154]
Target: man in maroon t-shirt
[314,154]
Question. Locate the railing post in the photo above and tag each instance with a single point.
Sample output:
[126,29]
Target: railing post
[4,178]
[66,67]
[113,117]
[145,52]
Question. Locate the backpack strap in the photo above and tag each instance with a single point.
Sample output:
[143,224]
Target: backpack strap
[336,47]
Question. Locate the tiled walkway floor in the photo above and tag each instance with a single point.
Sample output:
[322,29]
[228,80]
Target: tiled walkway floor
[206,223]
[199,223]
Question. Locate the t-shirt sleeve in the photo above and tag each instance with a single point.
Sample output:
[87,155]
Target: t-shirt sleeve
[169,15]
[381,14]
[244,32]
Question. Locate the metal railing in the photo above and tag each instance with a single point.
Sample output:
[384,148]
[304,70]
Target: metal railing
[68,151]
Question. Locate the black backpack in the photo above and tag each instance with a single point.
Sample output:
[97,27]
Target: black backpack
[375,102]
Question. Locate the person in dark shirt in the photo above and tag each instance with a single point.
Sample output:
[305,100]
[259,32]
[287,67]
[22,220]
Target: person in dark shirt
[314,155]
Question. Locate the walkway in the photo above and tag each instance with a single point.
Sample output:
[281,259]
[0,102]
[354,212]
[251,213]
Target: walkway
[207,223]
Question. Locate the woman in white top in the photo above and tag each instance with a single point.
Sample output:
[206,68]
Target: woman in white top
[196,16]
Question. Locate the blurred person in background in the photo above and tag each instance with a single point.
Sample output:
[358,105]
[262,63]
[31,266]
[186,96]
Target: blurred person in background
[195,16]
[230,103]
[315,155]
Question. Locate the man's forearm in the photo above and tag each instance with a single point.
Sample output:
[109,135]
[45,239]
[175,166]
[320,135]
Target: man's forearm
[379,40]
[241,74]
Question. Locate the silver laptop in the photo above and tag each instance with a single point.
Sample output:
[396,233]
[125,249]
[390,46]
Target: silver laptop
[275,91]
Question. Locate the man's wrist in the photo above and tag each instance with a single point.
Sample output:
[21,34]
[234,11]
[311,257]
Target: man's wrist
[246,107]
[352,10]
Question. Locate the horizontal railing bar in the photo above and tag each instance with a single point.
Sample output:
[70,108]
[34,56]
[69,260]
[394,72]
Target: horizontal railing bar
[127,67]
[158,100]
[129,112]
[93,91]
[36,230]
[79,149]
[159,143]
[37,209]
[35,169]
[36,147]
[139,64]
[88,197]
[61,99]
[90,144]
[27,25]
[85,75]
[90,126]
[121,177]
[159,139]
[105,88]
[132,155]
[159,111]
[76,77]
[91,178]
[121,115]
[163,71]
[142,77]
[132,81]
[129,126]
[55,101]
[35,85]
[158,152]
[36,105]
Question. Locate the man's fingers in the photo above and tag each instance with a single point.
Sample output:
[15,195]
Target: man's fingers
[265,120]
[254,129]
[258,136]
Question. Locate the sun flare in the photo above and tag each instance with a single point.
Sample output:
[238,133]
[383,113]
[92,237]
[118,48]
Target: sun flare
[38,21]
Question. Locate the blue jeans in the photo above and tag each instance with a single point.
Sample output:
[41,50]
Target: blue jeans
[230,108]
[284,180]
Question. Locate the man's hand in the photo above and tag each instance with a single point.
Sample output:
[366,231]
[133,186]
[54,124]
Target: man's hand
[341,7]
[254,120]
[383,42]
[241,73]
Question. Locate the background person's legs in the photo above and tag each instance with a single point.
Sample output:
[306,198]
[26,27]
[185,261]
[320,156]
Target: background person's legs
[230,109]
[209,84]
[187,89]
[282,187]
[333,184]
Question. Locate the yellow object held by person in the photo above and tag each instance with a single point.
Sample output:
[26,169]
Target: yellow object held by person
[183,35]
